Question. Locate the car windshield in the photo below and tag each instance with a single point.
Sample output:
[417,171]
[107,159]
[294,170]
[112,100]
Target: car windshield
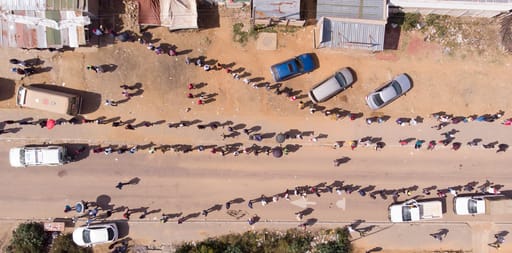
[472,206]
[290,67]
[377,100]
[87,236]
[341,80]
[299,64]
[22,156]
[406,213]
[110,232]
[396,86]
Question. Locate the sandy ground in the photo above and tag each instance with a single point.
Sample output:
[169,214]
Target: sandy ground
[186,183]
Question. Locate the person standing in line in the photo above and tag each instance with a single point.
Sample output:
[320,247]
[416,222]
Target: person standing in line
[109,102]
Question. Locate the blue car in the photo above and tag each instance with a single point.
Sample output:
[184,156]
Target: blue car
[301,64]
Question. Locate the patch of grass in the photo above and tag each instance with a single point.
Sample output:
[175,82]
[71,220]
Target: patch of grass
[242,37]
[206,41]
[439,23]
[239,35]
[410,21]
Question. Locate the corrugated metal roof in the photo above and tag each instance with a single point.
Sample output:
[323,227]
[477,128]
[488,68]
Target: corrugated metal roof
[42,5]
[344,33]
[42,29]
[359,9]
[286,9]
[178,14]
[149,12]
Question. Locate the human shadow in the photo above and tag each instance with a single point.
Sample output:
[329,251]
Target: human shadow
[237,200]
[311,221]
[103,201]
[134,181]
[293,147]
[306,211]
[239,126]
[108,67]
[11,130]
[216,207]
[375,249]
[184,52]
[268,135]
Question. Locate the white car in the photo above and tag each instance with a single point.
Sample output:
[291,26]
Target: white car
[468,205]
[482,204]
[38,156]
[389,92]
[95,234]
[412,210]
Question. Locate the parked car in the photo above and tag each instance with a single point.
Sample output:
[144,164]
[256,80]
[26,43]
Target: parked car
[38,156]
[389,92]
[95,234]
[474,205]
[301,64]
[330,87]
[413,210]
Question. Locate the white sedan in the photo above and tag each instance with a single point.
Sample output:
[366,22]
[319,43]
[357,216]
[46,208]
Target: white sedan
[95,234]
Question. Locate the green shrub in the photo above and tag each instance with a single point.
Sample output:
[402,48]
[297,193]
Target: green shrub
[28,238]
[65,244]
[293,241]
[438,22]
[410,21]
[239,35]
[340,245]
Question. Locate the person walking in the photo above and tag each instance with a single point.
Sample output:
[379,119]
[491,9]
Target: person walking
[108,151]
[126,94]
[418,144]
[127,214]
[379,145]
[109,102]
[431,145]
[353,144]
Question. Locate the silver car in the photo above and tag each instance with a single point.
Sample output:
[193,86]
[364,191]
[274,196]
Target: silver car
[389,92]
[330,87]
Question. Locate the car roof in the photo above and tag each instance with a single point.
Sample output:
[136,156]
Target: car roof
[308,62]
[330,86]
[388,92]
[99,234]
[36,155]
[283,69]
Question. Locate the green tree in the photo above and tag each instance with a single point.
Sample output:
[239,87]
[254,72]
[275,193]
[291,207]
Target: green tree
[65,244]
[28,238]
[340,245]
